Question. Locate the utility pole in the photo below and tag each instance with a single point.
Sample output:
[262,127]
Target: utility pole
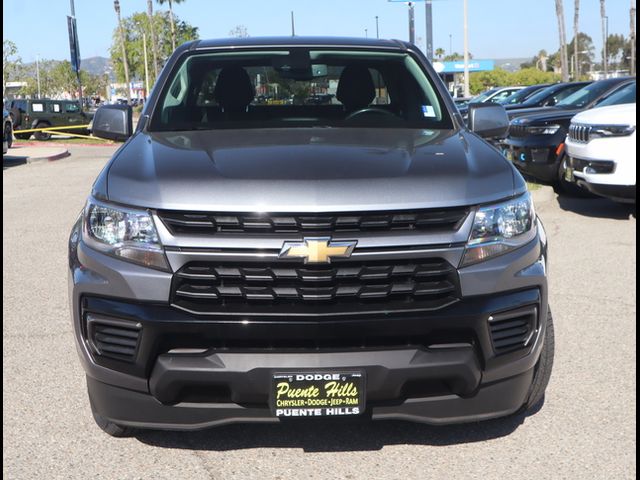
[366,33]
[38,73]
[293,25]
[450,45]
[377,29]
[154,43]
[412,24]
[125,63]
[146,66]
[429,27]
[632,37]
[606,37]
[466,50]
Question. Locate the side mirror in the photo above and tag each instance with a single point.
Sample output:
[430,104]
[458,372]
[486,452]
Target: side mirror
[489,120]
[113,122]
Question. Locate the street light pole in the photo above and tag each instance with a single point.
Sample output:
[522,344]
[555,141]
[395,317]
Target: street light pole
[377,30]
[606,37]
[466,49]
[293,26]
[146,66]
[125,63]
[38,73]
[366,33]
[429,32]
[412,27]
[450,45]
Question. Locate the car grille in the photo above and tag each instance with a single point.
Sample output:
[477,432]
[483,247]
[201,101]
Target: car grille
[448,219]
[579,133]
[512,330]
[287,287]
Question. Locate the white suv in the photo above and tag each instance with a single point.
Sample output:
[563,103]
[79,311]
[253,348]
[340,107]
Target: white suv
[601,152]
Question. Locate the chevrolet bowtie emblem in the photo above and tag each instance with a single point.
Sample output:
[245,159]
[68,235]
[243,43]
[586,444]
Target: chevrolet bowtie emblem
[317,249]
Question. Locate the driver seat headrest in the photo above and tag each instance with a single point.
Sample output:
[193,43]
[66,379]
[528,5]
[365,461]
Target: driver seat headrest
[355,88]
[234,90]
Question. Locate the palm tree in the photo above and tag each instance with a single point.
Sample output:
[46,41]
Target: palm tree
[125,63]
[604,38]
[154,44]
[171,19]
[576,16]
[541,60]
[439,53]
[563,41]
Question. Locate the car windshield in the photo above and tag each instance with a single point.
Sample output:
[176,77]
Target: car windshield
[626,94]
[298,87]
[483,96]
[519,96]
[585,96]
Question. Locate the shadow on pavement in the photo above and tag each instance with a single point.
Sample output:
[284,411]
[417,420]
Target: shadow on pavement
[597,207]
[334,435]
[9,161]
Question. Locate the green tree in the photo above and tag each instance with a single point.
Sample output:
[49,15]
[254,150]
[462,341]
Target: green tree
[10,61]
[239,31]
[133,27]
[456,57]
[439,53]
[586,53]
[615,49]
[64,78]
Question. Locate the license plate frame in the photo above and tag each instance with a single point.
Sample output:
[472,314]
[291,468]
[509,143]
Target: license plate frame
[317,393]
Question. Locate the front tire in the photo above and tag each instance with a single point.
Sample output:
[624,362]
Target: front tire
[8,134]
[42,136]
[543,368]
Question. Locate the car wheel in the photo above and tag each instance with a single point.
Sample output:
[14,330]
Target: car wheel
[8,134]
[43,136]
[543,367]
[112,429]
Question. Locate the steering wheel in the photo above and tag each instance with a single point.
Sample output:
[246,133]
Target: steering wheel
[374,110]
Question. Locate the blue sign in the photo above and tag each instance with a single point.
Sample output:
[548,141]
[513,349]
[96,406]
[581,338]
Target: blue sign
[474,66]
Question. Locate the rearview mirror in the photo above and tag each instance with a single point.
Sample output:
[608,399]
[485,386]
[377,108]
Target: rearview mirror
[113,122]
[489,120]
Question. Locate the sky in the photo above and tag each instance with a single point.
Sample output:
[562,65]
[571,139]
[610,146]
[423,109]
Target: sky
[497,28]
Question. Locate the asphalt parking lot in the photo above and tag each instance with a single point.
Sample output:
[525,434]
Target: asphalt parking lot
[585,429]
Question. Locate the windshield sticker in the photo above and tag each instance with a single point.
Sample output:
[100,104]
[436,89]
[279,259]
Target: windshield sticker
[428,111]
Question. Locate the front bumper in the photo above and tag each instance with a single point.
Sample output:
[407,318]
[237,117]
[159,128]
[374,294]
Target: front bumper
[537,158]
[191,371]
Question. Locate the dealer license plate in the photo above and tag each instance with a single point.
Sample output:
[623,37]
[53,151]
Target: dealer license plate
[318,394]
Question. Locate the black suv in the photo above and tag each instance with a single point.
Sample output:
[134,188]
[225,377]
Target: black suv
[43,113]
[535,143]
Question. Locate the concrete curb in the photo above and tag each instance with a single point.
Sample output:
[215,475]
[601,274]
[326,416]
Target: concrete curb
[544,194]
[65,145]
[49,158]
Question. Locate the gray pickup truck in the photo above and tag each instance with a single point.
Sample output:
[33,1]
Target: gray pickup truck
[369,256]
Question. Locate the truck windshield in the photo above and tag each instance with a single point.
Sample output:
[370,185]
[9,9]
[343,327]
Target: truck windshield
[584,96]
[298,87]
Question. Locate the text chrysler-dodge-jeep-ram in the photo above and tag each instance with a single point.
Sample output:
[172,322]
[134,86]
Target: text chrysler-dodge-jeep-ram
[250,261]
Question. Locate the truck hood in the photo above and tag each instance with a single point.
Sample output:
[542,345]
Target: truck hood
[307,170]
[545,115]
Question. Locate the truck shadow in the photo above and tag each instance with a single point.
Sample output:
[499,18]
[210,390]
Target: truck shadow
[334,435]
[597,207]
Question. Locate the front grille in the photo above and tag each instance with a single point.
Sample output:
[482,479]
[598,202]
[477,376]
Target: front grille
[206,287]
[513,330]
[579,133]
[113,338]
[448,219]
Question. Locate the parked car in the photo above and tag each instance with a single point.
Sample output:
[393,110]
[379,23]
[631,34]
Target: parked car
[43,113]
[601,152]
[535,143]
[522,95]
[495,95]
[7,131]
[547,97]
[243,262]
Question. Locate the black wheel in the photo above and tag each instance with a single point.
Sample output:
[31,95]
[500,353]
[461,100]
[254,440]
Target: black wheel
[42,136]
[8,134]
[111,428]
[543,367]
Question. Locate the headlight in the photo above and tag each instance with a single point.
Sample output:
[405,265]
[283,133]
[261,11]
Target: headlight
[500,228]
[124,233]
[543,129]
[600,131]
